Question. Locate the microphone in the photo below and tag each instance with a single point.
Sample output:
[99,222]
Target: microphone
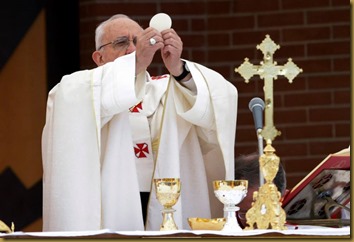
[256,105]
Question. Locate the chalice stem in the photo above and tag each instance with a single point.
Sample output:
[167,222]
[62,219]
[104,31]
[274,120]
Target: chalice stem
[231,224]
[168,222]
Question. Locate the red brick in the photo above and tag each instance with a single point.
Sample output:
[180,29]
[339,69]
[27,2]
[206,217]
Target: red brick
[306,33]
[130,9]
[329,81]
[308,131]
[342,96]
[280,19]
[304,4]
[219,39]
[289,115]
[329,146]
[88,43]
[193,40]
[86,61]
[244,87]
[253,37]
[180,25]
[294,179]
[329,48]
[227,54]
[88,27]
[306,99]
[289,50]
[341,31]
[340,3]
[341,64]
[184,8]
[328,16]
[282,84]
[222,23]
[247,134]
[288,149]
[342,129]
[198,55]
[329,114]
[298,165]
[218,7]
[250,6]
[199,24]
[311,66]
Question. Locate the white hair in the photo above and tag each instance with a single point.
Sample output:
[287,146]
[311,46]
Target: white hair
[100,29]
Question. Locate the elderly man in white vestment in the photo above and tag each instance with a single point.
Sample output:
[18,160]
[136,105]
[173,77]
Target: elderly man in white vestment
[110,130]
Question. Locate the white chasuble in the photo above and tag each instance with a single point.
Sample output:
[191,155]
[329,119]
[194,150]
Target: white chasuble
[92,176]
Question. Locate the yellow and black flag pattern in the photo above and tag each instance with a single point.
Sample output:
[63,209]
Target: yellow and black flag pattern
[26,66]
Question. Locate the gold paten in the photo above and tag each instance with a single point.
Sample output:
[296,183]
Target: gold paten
[206,223]
[168,191]
[266,211]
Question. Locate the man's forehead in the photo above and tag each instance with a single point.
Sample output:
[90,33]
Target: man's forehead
[124,27]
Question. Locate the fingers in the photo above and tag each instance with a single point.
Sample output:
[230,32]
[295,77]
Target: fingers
[171,39]
[151,38]
[147,44]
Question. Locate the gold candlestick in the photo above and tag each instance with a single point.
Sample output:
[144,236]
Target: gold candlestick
[266,211]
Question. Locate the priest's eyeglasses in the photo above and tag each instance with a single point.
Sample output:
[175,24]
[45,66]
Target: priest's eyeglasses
[120,43]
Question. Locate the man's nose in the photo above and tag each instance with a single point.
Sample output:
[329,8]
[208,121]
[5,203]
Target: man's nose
[131,47]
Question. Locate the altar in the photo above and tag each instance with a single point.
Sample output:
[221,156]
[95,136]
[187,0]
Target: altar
[292,231]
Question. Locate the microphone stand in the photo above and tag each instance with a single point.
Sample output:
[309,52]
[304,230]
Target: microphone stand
[260,150]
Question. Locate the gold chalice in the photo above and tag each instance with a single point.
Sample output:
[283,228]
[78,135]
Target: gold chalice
[231,193]
[167,193]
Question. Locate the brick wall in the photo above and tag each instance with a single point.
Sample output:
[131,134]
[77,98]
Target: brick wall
[313,113]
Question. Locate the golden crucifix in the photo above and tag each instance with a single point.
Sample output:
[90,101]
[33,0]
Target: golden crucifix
[266,211]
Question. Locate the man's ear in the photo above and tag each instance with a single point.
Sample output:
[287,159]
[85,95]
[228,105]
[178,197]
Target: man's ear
[97,58]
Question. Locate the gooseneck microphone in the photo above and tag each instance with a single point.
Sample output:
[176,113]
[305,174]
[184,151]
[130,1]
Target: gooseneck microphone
[256,105]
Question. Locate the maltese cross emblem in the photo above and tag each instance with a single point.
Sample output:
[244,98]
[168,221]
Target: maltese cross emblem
[141,150]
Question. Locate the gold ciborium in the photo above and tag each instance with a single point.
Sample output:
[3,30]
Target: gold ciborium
[167,193]
[231,193]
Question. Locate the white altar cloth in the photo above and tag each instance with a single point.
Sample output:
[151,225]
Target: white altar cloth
[292,230]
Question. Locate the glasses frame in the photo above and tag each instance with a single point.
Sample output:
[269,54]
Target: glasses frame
[124,41]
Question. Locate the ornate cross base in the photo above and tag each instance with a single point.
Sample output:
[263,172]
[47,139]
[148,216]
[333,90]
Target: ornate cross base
[266,211]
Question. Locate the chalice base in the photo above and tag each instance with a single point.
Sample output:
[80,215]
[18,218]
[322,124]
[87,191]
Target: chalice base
[231,224]
[168,222]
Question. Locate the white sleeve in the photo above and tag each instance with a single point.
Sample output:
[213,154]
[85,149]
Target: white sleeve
[190,84]
[118,91]
[199,110]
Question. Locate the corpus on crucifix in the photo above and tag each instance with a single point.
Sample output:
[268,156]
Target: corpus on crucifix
[266,211]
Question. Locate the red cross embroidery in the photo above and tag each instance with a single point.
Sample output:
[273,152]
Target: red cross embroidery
[141,150]
[136,108]
[158,77]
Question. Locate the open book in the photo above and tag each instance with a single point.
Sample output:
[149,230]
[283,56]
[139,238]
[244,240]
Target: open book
[315,196]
